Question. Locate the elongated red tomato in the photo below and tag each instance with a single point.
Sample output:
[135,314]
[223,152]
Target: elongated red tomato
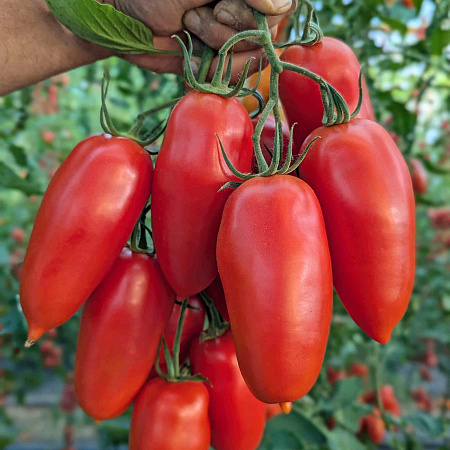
[365,191]
[237,417]
[192,327]
[336,63]
[215,291]
[171,416]
[121,326]
[190,169]
[275,268]
[85,219]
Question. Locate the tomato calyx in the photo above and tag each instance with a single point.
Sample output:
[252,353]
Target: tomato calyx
[175,374]
[220,82]
[138,240]
[133,133]
[217,325]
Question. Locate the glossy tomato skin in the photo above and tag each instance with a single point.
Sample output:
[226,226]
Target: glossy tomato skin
[192,327]
[121,325]
[237,417]
[365,191]
[190,169]
[215,292]
[86,216]
[171,416]
[275,268]
[336,63]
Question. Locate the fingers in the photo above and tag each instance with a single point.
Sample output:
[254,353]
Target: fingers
[238,64]
[174,63]
[270,7]
[161,63]
[202,23]
[238,14]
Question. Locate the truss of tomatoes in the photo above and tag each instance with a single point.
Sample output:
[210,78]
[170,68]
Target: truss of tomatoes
[268,253]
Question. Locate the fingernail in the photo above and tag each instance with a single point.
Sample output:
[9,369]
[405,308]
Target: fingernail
[192,21]
[281,4]
[226,18]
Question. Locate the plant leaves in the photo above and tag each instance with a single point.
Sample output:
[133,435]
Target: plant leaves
[343,439]
[102,24]
[19,155]
[394,24]
[293,427]
[346,392]
[425,423]
[9,179]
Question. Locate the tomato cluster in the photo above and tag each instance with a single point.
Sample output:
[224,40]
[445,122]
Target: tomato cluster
[267,253]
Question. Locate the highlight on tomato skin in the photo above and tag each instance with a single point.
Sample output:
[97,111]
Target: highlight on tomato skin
[258,222]
[185,193]
[360,177]
[86,216]
[333,60]
[237,418]
[121,326]
[171,415]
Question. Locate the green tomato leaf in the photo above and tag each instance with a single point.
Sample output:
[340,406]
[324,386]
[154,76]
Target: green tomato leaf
[394,24]
[102,24]
[9,179]
[19,155]
[346,391]
[425,423]
[340,439]
[293,428]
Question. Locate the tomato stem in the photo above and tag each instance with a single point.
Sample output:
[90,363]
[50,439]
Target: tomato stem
[207,57]
[176,344]
[217,324]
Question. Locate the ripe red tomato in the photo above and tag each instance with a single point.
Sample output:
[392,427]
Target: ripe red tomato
[336,63]
[373,425]
[18,235]
[359,370]
[275,268]
[215,292]
[192,327]
[267,137]
[272,409]
[418,176]
[388,399]
[171,416]
[237,418]
[85,218]
[334,375]
[121,326]
[365,191]
[190,169]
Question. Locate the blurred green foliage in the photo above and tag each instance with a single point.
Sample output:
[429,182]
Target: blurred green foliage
[403,47]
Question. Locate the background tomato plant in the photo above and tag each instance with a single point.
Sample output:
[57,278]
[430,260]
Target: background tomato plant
[403,54]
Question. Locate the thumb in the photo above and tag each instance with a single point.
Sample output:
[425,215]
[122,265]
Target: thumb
[270,7]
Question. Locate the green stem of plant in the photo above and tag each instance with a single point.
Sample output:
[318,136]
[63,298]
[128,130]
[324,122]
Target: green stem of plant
[217,324]
[207,57]
[378,366]
[176,344]
[217,79]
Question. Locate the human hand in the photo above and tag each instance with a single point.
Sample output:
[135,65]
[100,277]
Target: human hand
[209,23]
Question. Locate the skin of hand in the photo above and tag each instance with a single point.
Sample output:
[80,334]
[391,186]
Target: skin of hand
[210,23]
[35,46]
